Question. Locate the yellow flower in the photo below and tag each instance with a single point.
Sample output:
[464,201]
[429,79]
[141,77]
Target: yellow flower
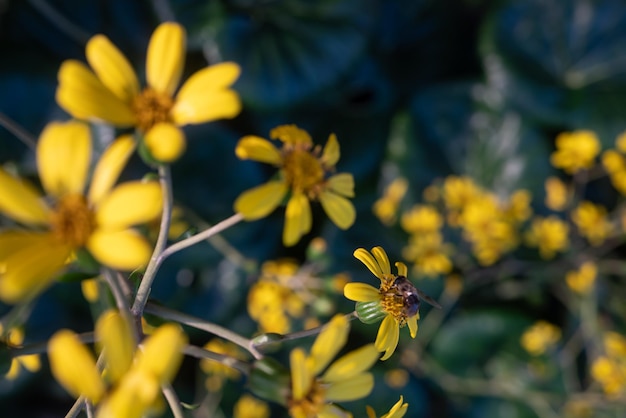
[575,151]
[30,362]
[429,254]
[549,234]
[582,280]
[250,407]
[386,208]
[422,219]
[133,378]
[610,369]
[304,170]
[557,194]
[539,337]
[592,222]
[67,220]
[398,410]
[218,372]
[389,298]
[346,379]
[110,90]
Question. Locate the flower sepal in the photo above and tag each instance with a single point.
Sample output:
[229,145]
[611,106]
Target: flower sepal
[370,312]
[270,380]
[271,342]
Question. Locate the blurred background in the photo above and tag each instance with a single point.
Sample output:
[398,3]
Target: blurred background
[419,89]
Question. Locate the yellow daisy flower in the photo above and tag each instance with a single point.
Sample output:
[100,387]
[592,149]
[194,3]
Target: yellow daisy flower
[304,170]
[346,379]
[66,219]
[110,90]
[388,299]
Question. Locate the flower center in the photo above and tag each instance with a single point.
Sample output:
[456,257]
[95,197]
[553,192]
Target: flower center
[304,172]
[311,405]
[72,221]
[392,300]
[151,107]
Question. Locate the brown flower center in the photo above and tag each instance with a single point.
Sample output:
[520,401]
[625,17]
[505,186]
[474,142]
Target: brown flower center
[151,107]
[311,405]
[304,172]
[392,300]
[73,221]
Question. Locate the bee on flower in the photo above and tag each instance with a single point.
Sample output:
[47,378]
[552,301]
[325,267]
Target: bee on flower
[305,175]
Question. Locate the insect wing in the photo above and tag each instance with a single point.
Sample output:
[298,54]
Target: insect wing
[423,296]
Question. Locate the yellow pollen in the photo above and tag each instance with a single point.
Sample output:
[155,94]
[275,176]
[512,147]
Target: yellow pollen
[304,172]
[392,300]
[72,221]
[311,405]
[151,107]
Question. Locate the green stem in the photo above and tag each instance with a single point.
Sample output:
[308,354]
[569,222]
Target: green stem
[76,408]
[19,132]
[203,325]
[143,292]
[201,353]
[39,348]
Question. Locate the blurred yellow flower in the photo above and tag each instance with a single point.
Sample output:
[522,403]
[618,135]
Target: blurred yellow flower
[133,378]
[557,194]
[549,234]
[610,369]
[575,151]
[422,219]
[398,410]
[540,337]
[386,208]
[250,407]
[581,281]
[346,379]
[304,170]
[110,90]
[218,372]
[389,298]
[592,222]
[14,339]
[429,254]
[67,220]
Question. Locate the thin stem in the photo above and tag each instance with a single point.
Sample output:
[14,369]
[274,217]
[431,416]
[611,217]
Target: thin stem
[172,400]
[19,132]
[201,353]
[76,408]
[203,325]
[201,236]
[143,292]
[39,348]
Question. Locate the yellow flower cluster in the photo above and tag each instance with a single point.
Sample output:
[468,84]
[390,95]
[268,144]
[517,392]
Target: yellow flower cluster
[609,369]
[592,222]
[14,338]
[582,280]
[386,208]
[218,372]
[614,162]
[550,235]
[575,151]
[540,337]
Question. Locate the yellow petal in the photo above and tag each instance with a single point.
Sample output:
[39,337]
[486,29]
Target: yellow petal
[63,157]
[30,266]
[354,388]
[361,292]
[342,184]
[206,95]
[30,362]
[130,203]
[165,142]
[135,395]
[292,135]
[339,209]
[82,95]
[402,269]
[328,343]
[21,202]
[123,250]
[352,364]
[74,367]
[258,149]
[109,167]
[114,335]
[90,289]
[297,219]
[112,68]
[331,154]
[382,259]
[166,57]
[387,337]
[366,258]
[162,352]
[260,201]
[412,323]
[301,377]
